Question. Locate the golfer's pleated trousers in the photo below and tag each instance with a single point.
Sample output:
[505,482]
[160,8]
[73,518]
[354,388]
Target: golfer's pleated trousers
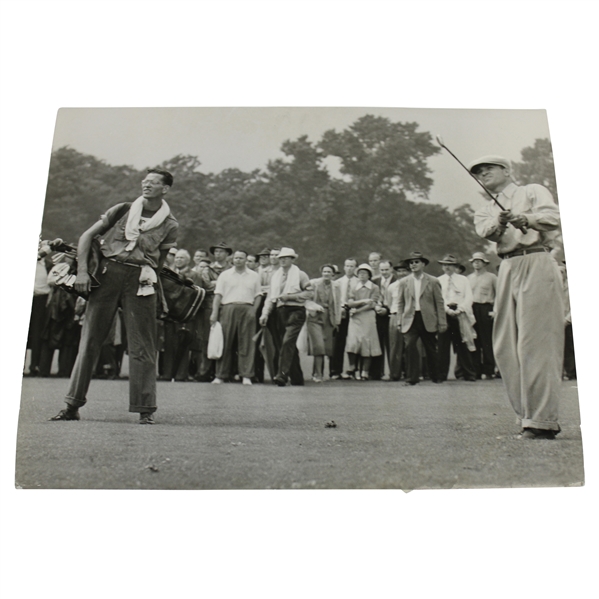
[118,286]
[239,323]
[528,337]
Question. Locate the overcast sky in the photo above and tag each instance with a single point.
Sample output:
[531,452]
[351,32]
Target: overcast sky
[246,138]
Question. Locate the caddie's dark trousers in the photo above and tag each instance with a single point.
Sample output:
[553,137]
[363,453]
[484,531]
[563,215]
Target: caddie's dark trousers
[118,286]
[429,340]
[290,321]
[484,361]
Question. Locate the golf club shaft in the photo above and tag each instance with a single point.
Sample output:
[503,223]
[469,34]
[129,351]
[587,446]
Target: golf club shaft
[440,142]
[466,169]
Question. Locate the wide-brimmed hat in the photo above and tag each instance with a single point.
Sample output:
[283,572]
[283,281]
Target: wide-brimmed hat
[221,246]
[287,253]
[403,265]
[366,267]
[478,256]
[264,252]
[497,160]
[449,260]
[416,256]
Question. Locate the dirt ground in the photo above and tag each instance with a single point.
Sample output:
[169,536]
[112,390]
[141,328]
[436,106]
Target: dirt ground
[454,435]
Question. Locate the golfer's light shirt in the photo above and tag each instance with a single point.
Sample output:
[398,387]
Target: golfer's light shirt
[539,207]
[238,288]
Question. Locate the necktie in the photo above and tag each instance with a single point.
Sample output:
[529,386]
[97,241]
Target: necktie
[283,281]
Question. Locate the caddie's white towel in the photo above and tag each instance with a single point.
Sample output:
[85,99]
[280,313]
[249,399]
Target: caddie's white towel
[133,227]
[292,284]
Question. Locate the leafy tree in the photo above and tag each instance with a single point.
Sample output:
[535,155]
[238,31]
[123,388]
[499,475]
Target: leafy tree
[537,166]
[293,201]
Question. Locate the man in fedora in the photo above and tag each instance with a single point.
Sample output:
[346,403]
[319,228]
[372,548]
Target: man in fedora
[421,315]
[483,286]
[457,298]
[528,331]
[221,253]
[290,288]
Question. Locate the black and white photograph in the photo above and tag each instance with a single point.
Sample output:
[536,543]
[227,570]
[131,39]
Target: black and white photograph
[300,298]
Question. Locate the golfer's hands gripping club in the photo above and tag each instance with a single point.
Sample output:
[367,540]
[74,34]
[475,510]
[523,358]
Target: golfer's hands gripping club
[519,221]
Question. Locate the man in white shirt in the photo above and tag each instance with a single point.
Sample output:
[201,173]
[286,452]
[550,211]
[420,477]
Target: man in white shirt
[457,299]
[345,283]
[236,298]
[483,286]
[377,367]
[396,342]
[528,331]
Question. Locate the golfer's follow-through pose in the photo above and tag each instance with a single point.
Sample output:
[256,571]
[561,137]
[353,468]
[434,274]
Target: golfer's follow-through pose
[528,331]
[134,240]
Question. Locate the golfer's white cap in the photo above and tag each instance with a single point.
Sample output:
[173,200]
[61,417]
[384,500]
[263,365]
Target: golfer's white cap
[497,160]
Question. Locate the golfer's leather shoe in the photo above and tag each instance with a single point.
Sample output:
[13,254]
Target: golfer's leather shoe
[537,433]
[67,414]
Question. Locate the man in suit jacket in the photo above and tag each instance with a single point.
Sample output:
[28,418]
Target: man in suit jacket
[387,276]
[421,314]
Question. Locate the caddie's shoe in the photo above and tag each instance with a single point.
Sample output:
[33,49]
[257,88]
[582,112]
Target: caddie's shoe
[246,380]
[335,377]
[146,418]
[217,381]
[67,414]
[410,383]
[537,433]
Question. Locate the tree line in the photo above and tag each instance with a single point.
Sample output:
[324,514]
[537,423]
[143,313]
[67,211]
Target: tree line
[295,200]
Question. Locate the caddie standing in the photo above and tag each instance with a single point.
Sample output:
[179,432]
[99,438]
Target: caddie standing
[528,332]
[134,240]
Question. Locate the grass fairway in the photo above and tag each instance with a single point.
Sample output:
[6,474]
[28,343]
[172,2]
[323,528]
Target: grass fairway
[454,435]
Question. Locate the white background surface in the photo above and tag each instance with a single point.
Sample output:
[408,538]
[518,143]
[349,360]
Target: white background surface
[296,544]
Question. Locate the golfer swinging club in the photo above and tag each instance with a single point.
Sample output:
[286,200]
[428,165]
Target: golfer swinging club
[528,331]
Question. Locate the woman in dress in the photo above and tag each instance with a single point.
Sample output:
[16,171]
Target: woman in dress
[362,337]
[322,318]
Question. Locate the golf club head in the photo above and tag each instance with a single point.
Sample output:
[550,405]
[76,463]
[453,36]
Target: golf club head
[440,141]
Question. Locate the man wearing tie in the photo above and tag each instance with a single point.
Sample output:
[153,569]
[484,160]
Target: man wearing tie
[290,288]
[387,277]
[345,283]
